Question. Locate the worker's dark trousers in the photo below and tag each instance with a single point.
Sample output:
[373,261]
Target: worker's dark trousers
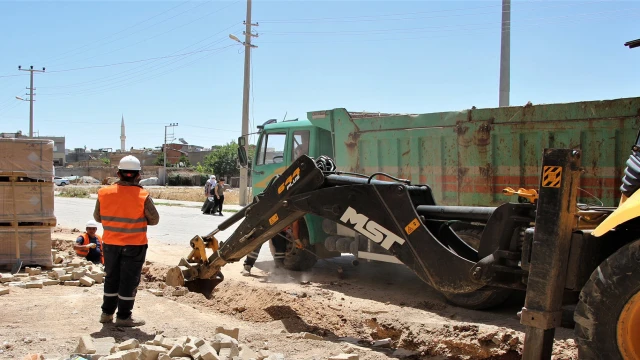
[218,205]
[280,245]
[123,265]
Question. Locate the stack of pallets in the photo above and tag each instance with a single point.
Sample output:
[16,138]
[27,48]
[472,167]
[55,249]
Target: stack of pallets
[26,201]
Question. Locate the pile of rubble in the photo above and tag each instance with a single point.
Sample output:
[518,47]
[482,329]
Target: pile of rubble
[67,270]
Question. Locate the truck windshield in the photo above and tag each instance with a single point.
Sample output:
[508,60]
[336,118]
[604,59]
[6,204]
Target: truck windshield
[271,149]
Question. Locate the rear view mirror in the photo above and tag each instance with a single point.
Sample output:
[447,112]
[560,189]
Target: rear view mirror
[242,153]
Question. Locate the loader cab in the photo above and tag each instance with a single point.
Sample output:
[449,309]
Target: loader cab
[280,143]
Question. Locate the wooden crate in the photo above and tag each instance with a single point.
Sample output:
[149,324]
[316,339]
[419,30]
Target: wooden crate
[31,157]
[33,201]
[35,246]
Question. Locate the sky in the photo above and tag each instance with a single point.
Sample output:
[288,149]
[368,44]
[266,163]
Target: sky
[163,62]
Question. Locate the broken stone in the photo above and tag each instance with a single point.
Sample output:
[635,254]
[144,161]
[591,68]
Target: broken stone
[234,333]
[78,274]
[225,340]
[72,283]
[103,345]
[151,352]
[262,354]
[344,357]
[276,356]
[310,336]
[50,282]
[129,344]
[58,259]
[124,355]
[382,343]
[33,271]
[208,353]
[177,351]
[179,292]
[66,278]
[497,339]
[4,291]
[158,340]
[246,353]
[87,281]
[189,347]
[34,285]
[85,345]
[225,354]
[98,278]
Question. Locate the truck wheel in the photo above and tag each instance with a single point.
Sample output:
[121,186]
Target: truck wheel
[299,259]
[482,298]
[608,313]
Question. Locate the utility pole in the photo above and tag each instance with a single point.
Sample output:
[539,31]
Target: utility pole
[164,148]
[31,94]
[505,54]
[244,171]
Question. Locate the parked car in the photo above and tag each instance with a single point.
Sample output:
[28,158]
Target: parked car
[61,181]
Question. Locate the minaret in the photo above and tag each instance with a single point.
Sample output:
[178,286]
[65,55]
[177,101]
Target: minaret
[122,136]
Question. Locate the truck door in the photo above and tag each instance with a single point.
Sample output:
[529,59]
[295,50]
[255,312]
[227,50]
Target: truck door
[270,159]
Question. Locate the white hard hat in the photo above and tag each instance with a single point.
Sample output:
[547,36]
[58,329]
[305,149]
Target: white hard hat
[129,162]
[92,223]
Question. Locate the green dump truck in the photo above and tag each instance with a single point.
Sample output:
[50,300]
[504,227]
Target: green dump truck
[467,157]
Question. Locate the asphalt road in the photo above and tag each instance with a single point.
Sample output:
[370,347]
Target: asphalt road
[178,224]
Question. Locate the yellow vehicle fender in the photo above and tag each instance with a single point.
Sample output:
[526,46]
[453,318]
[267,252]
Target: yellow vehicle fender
[629,208]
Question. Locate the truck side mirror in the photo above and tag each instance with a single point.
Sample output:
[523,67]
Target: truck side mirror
[242,152]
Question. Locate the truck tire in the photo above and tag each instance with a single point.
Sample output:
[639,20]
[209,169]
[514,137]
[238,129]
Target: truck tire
[608,314]
[299,259]
[482,298]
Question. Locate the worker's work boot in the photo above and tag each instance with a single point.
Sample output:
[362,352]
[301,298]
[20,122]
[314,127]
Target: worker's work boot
[130,322]
[106,318]
[247,270]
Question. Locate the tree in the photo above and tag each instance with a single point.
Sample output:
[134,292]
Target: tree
[223,161]
[106,161]
[159,160]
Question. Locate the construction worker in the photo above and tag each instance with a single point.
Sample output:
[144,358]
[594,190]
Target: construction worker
[89,244]
[124,209]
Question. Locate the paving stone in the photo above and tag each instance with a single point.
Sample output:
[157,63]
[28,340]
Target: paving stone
[50,282]
[207,352]
[66,278]
[151,352]
[85,345]
[168,343]
[78,274]
[98,278]
[87,281]
[18,284]
[124,355]
[177,351]
[129,344]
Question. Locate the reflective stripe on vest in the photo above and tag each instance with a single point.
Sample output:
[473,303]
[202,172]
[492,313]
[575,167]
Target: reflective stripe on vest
[122,214]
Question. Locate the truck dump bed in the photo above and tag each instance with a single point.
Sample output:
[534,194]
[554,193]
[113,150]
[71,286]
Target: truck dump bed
[469,156]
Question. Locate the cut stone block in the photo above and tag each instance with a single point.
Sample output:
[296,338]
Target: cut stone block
[98,278]
[87,281]
[66,278]
[168,343]
[85,345]
[77,274]
[177,351]
[72,283]
[18,284]
[4,291]
[197,342]
[124,355]
[262,354]
[34,285]
[129,344]
[344,357]
[180,292]
[158,340]
[156,292]
[6,278]
[234,333]
[151,352]
[50,282]
[208,353]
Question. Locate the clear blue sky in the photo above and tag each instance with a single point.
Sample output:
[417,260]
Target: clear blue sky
[389,56]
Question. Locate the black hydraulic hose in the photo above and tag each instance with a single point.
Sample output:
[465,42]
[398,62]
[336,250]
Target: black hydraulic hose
[631,178]
[470,213]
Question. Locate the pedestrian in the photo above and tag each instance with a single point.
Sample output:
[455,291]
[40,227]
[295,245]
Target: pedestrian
[89,244]
[209,203]
[219,196]
[124,209]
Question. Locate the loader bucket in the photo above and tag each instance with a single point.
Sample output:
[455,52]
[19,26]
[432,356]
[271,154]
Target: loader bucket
[180,276]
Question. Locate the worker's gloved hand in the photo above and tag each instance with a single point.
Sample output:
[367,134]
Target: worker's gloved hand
[91,246]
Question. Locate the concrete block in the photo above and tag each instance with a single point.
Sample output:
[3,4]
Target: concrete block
[151,352]
[98,278]
[168,343]
[87,281]
[6,278]
[156,292]
[208,353]
[179,292]
[4,291]
[85,345]
[129,344]
[177,351]
[158,340]
[72,283]
[234,333]
[50,282]
[34,285]
[66,278]
[344,357]
[77,274]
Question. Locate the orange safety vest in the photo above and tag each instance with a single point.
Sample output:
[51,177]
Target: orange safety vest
[122,215]
[85,252]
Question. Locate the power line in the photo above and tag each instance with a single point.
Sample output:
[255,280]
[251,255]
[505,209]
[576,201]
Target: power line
[162,33]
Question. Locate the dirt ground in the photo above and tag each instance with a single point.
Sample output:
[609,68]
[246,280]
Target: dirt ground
[272,310]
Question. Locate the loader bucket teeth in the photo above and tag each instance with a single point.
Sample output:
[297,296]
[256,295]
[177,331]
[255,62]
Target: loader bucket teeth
[204,286]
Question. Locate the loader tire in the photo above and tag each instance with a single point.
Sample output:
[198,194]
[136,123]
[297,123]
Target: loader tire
[608,314]
[482,298]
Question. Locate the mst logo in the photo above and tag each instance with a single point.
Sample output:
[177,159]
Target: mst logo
[290,181]
[371,229]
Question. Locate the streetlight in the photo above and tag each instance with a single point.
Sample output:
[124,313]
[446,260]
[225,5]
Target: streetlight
[164,163]
[19,98]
